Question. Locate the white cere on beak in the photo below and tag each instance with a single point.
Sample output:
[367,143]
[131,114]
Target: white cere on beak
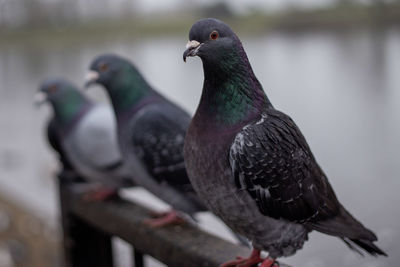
[192,44]
[40,98]
[91,76]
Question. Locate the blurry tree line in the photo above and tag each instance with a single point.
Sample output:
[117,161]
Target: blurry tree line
[16,13]
[37,13]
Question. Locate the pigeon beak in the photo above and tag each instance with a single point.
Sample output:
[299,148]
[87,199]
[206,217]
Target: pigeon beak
[192,47]
[40,98]
[91,78]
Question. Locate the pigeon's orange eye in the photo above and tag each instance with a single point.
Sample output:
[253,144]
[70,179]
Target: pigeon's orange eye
[53,89]
[214,35]
[103,67]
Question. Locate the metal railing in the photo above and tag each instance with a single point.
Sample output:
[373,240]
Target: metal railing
[89,226]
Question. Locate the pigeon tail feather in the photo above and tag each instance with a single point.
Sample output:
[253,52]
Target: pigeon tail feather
[366,245]
[351,231]
[344,225]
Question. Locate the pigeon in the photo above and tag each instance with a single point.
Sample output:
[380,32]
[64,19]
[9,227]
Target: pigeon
[151,132]
[84,135]
[249,162]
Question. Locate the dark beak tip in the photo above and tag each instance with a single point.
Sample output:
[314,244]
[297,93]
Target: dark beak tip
[89,83]
[185,55]
[188,53]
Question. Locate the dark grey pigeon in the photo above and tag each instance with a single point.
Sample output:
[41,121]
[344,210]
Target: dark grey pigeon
[84,134]
[250,163]
[151,132]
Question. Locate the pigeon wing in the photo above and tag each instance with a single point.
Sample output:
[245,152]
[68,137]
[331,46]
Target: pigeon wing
[272,161]
[95,139]
[158,139]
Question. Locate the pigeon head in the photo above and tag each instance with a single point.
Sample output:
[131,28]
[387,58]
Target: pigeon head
[108,68]
[55,91]
[66,98]
[212,40]
[231,91]
[122,81]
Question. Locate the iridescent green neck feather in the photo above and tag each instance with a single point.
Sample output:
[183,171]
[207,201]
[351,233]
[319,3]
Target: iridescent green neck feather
[68,105]
[127,88]
[231,92]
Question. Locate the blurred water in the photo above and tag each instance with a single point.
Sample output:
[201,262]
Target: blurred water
[342,89]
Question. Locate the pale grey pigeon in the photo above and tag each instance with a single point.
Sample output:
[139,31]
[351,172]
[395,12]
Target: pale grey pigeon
[84,133]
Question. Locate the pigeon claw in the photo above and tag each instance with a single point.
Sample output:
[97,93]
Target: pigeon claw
[164,219]
[245,262]
[100,194]
[269,262]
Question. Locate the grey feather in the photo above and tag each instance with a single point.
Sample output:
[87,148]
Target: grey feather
[92,147]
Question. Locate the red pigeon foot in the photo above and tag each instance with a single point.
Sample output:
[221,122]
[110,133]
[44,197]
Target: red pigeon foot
[245,262]
[166,218]
[269,262]
[100,194]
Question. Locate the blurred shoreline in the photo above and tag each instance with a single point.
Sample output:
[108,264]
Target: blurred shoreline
[336,17]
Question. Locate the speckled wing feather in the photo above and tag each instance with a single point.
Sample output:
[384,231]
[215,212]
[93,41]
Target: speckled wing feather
[158,142]
[272,161]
